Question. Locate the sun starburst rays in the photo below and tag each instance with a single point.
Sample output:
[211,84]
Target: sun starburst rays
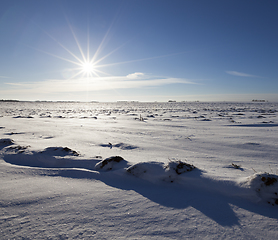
[87,67]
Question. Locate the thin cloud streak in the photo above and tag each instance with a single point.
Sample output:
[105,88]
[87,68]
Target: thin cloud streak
[132,81]
[239,74]
[142,59]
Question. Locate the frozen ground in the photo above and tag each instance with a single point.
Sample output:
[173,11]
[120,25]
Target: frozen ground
[182,171]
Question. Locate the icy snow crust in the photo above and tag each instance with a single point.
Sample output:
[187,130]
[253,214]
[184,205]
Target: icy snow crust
[138,170]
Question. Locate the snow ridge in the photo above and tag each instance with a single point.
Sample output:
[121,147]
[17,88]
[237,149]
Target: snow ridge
[260,187]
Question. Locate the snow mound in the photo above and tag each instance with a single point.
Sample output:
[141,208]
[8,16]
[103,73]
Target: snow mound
[18,148]
[158,171]
[9,144]
[266,187]
[114,162]
[234,166]
[60,151]
[6,142]
[179,167]
[123,146]
[51,157]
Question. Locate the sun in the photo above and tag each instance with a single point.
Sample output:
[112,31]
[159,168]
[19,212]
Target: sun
[88,68]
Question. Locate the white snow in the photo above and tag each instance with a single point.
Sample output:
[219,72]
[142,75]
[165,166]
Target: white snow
[138,170]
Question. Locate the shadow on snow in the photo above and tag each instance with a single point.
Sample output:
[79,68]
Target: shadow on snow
[190,190]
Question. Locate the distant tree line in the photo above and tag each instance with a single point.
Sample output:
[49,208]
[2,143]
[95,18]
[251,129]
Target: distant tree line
[7,100]
[256,100]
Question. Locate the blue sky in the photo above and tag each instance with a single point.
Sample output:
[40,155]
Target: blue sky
[142,50]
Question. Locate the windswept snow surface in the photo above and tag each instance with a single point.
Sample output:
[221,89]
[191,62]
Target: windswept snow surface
[138,170]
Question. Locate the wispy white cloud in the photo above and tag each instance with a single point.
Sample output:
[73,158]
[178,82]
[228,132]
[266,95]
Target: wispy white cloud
[240,74]
[15,84]
[134,80]
[4,77]
[135,75]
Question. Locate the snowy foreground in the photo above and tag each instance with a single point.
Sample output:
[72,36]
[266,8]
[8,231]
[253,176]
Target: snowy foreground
[138,170]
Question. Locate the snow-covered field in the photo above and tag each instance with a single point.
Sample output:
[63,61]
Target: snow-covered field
[138,170]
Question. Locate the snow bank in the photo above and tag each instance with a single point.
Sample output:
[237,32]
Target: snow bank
[265,185]
[111,163]
[158,171]
[261,187]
